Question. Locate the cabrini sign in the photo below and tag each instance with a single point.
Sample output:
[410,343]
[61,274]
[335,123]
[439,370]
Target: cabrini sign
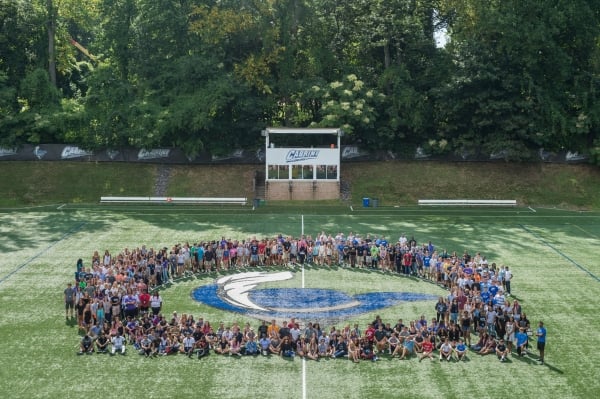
[6,152]
[74,152]
[301,155]
[144,154]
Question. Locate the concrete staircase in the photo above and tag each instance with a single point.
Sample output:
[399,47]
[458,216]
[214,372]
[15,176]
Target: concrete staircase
[260,191]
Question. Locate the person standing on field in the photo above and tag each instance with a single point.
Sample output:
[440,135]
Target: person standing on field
[541,340]
[69,300]
[507,278]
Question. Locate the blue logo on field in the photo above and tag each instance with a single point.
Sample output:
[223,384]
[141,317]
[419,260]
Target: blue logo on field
[237,293]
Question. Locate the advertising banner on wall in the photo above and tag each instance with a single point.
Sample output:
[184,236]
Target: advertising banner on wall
[281,156]
[303,156]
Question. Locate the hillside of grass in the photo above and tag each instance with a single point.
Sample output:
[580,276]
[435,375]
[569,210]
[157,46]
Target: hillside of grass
[393,183]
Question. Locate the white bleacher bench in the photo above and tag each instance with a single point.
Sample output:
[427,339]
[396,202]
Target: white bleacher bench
[467,202]
[175,200]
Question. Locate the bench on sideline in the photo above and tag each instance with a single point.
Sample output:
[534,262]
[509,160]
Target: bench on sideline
[466,202]
[175,200]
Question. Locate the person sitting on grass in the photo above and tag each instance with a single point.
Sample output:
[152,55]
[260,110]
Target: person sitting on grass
[489,347]
[201,346]
[408,347]
[460,350]
[146,346]
[483,338]
[86,345]
[324,348]
[354,350]
[341,348]
[118,344]
[312,351]
[393,342]
[251,347]
[222,348]
[275,344]
[264,343]
[501,350]
[286,348]
[102,343]
[189,343]
[235,347]
[380,337]
[446,350]
[428,348]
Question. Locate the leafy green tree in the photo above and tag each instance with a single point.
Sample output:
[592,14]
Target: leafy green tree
[522,78]
[39,102]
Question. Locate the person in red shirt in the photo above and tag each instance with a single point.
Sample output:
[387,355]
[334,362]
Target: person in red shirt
[144,302]
[370,334]
[427,350]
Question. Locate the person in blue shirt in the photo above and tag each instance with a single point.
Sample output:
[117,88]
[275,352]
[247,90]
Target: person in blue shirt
[541,340]
[460,350]
[521,338]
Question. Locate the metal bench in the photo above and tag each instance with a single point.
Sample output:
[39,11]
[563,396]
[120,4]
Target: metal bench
[174,200]
[467,202]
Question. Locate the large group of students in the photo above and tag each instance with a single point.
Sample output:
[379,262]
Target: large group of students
[117,302]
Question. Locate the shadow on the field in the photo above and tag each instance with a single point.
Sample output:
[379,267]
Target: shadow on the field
[70,322]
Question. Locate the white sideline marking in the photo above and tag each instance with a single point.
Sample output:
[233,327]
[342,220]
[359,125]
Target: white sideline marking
[303,359]
[303,378]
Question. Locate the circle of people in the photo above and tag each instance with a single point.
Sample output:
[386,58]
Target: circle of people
[114,307]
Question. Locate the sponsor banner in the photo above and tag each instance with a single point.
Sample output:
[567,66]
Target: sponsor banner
[272,156]
[7,152]
[354,153]
[303,156]
[70,152]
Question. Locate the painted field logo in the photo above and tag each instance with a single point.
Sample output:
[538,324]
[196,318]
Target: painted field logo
[238,293]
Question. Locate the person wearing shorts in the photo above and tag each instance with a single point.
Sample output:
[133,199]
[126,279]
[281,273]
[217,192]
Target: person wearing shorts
[69,300]
[541,340]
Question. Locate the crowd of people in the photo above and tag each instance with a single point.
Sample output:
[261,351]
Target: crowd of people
[117,303]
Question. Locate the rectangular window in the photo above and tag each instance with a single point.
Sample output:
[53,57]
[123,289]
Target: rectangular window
[280,172]
[332,172]
[302,172]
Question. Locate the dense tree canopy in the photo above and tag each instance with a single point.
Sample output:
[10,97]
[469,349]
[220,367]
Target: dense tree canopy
[208,75]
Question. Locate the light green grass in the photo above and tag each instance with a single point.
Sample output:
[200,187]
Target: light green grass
[547,251]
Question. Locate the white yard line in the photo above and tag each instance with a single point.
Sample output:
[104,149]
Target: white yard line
[303,359]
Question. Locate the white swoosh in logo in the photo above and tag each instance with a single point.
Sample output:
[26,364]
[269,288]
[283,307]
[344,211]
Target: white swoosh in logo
[236,287]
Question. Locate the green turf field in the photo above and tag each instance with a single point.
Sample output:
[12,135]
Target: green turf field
[553,253]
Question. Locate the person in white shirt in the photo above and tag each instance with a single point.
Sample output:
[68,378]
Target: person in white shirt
[118,344]
[446,351]
[188,344]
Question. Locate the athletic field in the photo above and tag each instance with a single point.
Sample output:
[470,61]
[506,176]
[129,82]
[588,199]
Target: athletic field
[554,254]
